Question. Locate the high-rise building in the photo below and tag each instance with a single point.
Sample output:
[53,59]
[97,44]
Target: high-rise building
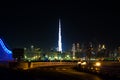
[59,38]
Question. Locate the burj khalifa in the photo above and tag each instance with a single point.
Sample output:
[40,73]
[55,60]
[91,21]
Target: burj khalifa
[59,38]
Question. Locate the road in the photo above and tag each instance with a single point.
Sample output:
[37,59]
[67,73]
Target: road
[50,73]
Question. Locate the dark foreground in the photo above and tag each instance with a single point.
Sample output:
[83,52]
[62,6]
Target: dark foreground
[50,73]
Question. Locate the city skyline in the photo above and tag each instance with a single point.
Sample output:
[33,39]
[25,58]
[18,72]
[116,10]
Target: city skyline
[36,23]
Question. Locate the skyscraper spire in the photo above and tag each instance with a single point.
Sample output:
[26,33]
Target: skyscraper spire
[59,38]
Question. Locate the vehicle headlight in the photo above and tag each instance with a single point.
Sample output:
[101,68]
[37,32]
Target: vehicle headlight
[83,63]
[79,62]
[97,64]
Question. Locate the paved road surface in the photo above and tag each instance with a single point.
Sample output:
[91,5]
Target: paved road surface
[49,73]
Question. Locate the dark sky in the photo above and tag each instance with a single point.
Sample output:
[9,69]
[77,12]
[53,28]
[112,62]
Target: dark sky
[36,23]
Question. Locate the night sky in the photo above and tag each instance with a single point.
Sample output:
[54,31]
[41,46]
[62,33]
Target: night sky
[23,24]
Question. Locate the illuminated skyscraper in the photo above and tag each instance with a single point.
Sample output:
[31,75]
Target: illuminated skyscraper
[59,38]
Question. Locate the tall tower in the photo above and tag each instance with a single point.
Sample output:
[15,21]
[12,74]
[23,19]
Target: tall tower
[59,38]
[73,50]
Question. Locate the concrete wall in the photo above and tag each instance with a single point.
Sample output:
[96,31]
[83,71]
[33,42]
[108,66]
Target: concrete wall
[40,64]
[29,65]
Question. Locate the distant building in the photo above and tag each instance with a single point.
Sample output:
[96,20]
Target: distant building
[32,54]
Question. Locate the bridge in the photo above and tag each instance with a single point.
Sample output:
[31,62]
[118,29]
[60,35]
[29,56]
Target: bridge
[5,53]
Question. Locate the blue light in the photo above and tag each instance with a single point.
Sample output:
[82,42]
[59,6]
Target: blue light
[4,47]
